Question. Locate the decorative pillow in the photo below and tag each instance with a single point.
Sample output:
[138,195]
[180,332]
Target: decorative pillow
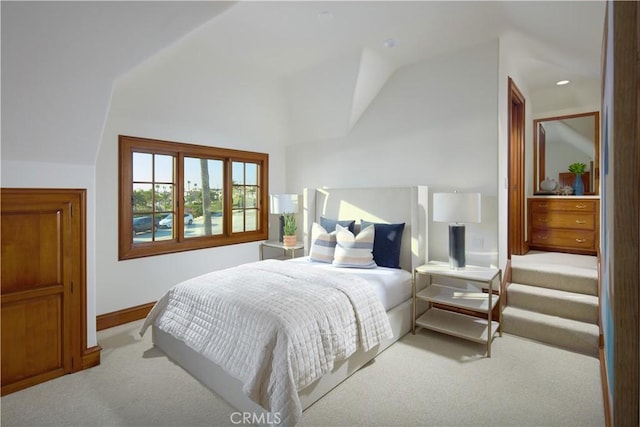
[330,224]
[354,251]
[386,246]
[323,244]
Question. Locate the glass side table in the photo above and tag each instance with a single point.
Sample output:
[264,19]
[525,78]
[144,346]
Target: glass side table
[288,252]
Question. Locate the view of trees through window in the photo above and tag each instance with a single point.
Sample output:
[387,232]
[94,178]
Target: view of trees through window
[167,186]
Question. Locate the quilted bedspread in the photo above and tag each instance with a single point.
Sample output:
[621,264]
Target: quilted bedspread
[273,325]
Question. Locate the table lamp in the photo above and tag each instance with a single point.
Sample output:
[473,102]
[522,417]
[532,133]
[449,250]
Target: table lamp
[457,209]
[280,204]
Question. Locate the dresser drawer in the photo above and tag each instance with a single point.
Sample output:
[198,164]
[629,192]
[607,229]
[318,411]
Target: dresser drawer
[583,240]
[559,219]
[563,205]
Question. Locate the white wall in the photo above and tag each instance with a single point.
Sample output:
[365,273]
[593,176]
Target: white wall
[435,124]
[510,51]
[19,174]
[183,96]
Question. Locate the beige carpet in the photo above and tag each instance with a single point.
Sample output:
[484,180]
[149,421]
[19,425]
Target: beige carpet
[424,380]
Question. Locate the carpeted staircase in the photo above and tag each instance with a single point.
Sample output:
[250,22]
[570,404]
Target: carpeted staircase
[553,298]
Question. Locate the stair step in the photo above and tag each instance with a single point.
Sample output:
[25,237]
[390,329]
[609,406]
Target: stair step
[565,278]
[554,302]
[581,337]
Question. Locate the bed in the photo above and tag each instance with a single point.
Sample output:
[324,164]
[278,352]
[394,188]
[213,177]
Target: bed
[378,321]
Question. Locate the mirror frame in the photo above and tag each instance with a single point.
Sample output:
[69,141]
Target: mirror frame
[596,147]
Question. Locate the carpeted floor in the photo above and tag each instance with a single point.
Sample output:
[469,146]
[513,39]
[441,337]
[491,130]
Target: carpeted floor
[427,379]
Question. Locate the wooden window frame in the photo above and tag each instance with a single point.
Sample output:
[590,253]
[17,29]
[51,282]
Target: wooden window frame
[127,249]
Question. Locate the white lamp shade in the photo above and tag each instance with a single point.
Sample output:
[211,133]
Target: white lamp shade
[283,203]
[457,207]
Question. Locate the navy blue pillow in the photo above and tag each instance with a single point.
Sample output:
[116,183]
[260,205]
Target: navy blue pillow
[330,224]
[386,243]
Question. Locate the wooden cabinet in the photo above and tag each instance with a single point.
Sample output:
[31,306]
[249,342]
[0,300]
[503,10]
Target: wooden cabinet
[564,224]
[43,286]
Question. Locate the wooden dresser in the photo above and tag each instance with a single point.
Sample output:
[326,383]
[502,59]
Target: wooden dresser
[564,224]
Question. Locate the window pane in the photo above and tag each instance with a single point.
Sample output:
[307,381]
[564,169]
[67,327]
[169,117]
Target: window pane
[142,167]
[251,174]
[143,228]
[204,196]
[251,197]
[238,173]
[164,198]
[165,230]
[163,168]
[237,223]
[142,198]
[251,219]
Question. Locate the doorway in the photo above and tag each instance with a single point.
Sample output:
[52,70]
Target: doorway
[516,240]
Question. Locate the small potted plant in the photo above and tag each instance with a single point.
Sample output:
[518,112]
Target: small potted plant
[578,169]
[289,230]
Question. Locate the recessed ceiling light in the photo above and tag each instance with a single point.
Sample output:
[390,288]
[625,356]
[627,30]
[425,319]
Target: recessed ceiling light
[562,82]
[325,16]
[391,42]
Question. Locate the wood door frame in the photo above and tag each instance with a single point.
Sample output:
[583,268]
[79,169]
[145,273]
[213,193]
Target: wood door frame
[516,238]
[73,202]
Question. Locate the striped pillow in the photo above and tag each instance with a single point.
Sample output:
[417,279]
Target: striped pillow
[323,244]
[354,251]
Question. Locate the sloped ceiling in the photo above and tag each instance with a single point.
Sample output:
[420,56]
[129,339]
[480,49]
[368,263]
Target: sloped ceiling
[59,63]
[60,60]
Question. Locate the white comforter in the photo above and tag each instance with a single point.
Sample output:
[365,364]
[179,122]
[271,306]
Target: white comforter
[275,326]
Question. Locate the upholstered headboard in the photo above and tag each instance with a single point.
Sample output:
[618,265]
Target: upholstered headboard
[389,205]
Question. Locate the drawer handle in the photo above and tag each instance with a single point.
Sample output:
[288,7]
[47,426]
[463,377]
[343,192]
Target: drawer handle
[542,205]
[580,221]
[542,237]
[581,240]
[581,206]
[542,220]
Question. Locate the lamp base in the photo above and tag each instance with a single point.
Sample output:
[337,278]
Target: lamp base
[456,246]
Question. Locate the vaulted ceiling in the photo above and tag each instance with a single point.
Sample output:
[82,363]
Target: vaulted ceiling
[60,59]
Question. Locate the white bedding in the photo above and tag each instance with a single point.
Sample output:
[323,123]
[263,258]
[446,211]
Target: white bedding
[276,326]
[392,285]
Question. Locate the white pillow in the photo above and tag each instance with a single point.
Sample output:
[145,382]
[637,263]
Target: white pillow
[354,251]
[323,244]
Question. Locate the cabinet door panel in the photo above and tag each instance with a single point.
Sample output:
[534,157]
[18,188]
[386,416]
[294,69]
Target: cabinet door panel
[31,338]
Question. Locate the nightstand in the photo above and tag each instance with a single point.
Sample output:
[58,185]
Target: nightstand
[287,251]
[462,303]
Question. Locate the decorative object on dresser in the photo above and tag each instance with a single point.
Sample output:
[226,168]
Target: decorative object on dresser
[578,169]
[549,185]
[281,204]
[457,209]
[564,224]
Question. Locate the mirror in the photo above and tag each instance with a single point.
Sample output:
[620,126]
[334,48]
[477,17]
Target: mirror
[561,141]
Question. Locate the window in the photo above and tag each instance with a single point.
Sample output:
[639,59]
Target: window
[177,197]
